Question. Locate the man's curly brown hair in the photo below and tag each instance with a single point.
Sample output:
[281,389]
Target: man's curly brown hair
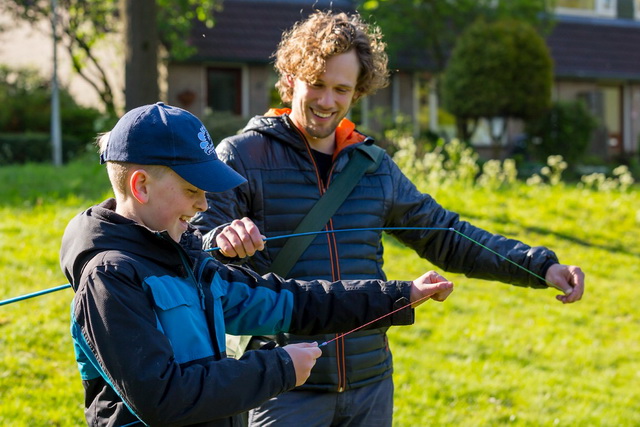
[305,48]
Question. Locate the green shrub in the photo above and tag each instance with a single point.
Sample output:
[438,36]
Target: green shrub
[27,147]
[222,124]
[26,117]
[565,130]
[498,69]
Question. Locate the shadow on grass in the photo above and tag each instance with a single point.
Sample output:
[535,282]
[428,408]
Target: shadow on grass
[618,248]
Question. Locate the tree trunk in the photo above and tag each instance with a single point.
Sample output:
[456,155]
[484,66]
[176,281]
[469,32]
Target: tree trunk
[466,128]
[141,52]
[496,137]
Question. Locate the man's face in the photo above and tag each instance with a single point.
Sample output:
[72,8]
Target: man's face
[317,107]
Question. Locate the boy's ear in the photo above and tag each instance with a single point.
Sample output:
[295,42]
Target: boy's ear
[138,185]
[290,80]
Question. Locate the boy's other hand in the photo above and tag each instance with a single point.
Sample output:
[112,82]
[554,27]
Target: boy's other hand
[430,284]
[240,239]
[304,357]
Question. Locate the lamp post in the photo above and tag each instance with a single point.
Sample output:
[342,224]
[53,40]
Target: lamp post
[56,135]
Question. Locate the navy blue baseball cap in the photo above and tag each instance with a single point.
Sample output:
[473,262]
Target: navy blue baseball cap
[160,134]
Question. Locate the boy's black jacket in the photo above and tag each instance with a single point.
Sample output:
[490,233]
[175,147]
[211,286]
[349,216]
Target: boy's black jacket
[149,319]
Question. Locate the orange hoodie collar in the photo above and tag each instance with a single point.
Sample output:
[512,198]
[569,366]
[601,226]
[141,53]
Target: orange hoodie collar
[345,134]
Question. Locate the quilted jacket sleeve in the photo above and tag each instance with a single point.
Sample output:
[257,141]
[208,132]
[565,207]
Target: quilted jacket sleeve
[461,251]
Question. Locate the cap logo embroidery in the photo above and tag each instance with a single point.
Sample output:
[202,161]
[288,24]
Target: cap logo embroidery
[205,141]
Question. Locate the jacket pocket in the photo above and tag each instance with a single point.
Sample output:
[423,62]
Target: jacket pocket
[180,317]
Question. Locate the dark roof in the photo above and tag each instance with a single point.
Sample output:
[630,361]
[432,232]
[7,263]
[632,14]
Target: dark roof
[249,31]
[596,48]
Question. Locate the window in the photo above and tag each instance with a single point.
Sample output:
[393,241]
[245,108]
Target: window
[612,98]
[577,4]
[606,7]
[224,90]
[588,7]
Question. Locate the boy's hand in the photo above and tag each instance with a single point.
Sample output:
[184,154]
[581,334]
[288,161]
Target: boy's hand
[304,357]
[239,239]
[430,284]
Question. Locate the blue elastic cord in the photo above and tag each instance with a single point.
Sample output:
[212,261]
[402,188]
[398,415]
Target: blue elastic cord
[308,233]
[286,236]
[34,294]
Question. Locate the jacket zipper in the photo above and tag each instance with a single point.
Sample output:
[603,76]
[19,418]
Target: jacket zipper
[186,265]
[333,261]
[209,315]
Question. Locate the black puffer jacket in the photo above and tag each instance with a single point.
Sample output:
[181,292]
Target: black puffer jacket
[283,185]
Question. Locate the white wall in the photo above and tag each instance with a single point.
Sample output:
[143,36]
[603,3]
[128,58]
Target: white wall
[22,45]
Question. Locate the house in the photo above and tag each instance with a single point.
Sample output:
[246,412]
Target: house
[594,45]
[233,69]
[597,59]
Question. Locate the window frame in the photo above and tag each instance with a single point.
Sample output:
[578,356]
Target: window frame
[238,73]
[599,9]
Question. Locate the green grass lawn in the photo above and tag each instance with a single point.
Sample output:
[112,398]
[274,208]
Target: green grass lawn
[492,354]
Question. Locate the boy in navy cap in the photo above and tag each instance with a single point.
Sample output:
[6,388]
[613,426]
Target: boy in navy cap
[151,309]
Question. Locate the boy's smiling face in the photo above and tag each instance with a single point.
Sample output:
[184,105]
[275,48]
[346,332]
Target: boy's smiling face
[167,201]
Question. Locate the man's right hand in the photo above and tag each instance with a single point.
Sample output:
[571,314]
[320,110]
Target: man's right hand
[304,357]
[240,239]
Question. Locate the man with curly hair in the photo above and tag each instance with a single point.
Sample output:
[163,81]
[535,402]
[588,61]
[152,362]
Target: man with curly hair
[290,158]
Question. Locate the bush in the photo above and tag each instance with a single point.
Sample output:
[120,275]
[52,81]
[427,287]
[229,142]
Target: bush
[26,117]
[565,130]
[19,148]
[498,69]
[221,124]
